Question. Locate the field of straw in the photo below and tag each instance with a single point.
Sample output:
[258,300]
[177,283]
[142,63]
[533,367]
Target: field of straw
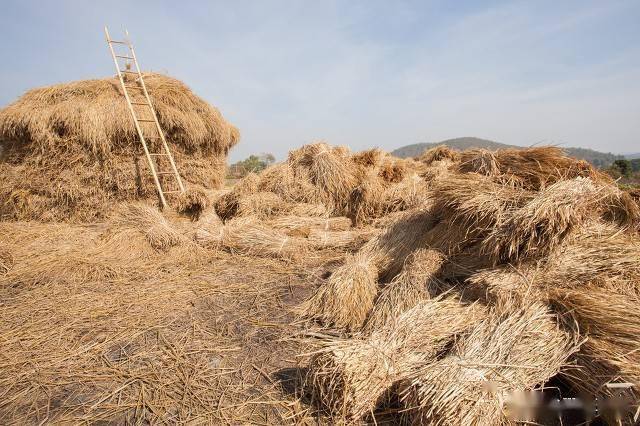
[334,287]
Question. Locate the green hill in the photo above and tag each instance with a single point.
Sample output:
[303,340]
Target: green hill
[598,159]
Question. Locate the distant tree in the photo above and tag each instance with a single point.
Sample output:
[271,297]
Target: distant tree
[635,165]
[623,167]
[253,163]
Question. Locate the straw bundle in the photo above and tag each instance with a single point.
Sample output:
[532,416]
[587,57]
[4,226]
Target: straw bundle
[407,194]
[226,205]
[293,185]
[476,201]
[72,150]
[532,168]
[192,203]
[347,298]
[415,283]
[438,153]
[370,158]
[392,171]
[611,323]
[366,199]
[507,285]
[246,235]
[301,225]
[261,205]
[598,251]
[309,210]
[352,240]
[150,222]
[350,377]
[329,169]
[506,352]
[543,223]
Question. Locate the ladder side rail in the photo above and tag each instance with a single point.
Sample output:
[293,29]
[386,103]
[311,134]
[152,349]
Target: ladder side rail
[155,118]
[135,122]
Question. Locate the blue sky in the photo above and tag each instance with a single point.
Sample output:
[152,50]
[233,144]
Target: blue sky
[360,73]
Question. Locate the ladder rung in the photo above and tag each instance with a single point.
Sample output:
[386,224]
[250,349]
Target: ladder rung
[128,72]
[118,42]
[151,153]
[124,56]
[165,173]
[171,192]
[139,103]
[146,120]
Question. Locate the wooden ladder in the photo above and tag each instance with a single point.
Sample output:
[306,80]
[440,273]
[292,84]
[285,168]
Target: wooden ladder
[145,103]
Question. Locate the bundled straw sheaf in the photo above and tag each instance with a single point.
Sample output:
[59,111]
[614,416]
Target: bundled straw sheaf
[346,299]
[192,203]
[301,225]
[351,377]
[247,235]
[610,321]
[352,240]
[416,282]
[507,352]
[438,153]
[531,168]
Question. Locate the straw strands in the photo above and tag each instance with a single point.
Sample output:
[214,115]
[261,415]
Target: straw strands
[504,353]
[417,281]
[611,323]
[350,377]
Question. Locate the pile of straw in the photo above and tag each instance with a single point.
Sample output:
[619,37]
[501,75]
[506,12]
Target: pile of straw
[362,186]
[71,150]
[545,243]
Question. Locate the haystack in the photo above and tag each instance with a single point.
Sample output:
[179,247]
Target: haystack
[350,377]
[72,151]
